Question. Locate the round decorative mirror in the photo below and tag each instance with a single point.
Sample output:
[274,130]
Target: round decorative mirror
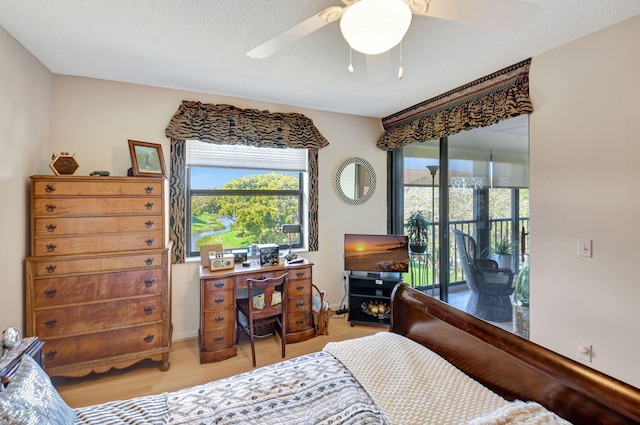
[355,181]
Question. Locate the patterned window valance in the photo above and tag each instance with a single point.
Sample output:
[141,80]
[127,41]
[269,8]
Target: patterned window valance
[486,101]
[228,125]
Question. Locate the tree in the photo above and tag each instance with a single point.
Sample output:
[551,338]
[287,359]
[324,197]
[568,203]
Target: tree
[261,216]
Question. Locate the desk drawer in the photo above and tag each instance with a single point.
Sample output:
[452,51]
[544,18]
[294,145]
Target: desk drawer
[216,301]
[298,288]
[218,338]
[222,284]
[298,321]
[219,319]
[302,273]
[298,305]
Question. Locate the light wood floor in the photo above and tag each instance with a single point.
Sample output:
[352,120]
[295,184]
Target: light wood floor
[144,378]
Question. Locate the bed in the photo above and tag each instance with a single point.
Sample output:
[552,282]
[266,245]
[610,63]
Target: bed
[436,365]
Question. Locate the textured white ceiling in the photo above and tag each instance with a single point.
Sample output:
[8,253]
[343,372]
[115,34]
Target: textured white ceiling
[201,45]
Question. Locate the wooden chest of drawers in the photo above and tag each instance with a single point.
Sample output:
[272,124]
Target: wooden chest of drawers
[218,306]
[97,280]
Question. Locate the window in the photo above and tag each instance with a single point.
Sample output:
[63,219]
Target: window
[242,195]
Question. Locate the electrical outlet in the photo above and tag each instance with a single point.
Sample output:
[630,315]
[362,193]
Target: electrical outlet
[585,351]
[584,247]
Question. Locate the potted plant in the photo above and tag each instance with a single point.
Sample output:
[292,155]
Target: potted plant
[418,231]
[521,303]
[501,252]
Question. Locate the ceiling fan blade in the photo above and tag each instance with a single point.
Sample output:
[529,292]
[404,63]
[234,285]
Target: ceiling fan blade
[296,32]
[496,14]
[378,67]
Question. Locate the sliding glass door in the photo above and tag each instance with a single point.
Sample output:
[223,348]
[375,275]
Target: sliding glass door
[475,181]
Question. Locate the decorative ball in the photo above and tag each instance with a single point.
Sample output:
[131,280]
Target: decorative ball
[11,337]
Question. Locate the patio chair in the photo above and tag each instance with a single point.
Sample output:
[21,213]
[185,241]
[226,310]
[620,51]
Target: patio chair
[490,286]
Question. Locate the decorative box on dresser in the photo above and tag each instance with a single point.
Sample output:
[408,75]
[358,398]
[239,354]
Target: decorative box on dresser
[218,305]
[98,278]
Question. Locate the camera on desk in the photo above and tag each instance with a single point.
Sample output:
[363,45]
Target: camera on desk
[220,260]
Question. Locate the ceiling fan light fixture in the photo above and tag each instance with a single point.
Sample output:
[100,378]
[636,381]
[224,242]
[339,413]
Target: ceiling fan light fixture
[375,26]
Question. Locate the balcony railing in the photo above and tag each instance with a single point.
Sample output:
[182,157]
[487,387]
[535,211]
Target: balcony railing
[422,267]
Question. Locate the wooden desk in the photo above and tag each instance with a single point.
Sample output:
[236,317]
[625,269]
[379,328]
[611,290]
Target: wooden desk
[218,305]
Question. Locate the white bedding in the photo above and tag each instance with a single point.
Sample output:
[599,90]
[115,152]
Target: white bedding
[411,383]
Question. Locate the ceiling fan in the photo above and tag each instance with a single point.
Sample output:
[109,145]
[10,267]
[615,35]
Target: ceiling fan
[389,27]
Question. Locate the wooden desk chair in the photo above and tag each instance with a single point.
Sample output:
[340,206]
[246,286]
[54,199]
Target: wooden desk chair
[257,307]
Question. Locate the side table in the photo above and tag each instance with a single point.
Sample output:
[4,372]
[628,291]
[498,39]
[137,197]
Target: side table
[11,357]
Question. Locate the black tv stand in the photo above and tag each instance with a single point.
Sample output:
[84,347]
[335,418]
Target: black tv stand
[370,297]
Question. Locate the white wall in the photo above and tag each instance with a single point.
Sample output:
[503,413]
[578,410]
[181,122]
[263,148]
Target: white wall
[25,87]
[585,147]
[95,118]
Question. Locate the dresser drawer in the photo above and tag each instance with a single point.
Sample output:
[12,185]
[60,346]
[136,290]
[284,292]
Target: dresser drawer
[218,338]
[99,186]
[299,304]
[96,317]
[62,266]
[98,345]
[222,284]
[56,226]
[219,319]
[90,206]
[215,301]
[71,245]
[298,321]
[95,287]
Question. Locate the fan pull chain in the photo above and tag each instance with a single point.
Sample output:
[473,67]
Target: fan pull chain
[401,69]
[350,68]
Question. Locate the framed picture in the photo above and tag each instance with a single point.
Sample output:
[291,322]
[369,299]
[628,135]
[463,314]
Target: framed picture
[146,159]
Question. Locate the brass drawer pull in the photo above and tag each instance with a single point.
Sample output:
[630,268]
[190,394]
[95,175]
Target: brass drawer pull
[149,309]
[50,207]
[149,242]
[51,247]
[50,324]
[149,283]
[50,268]
[219,300]
[50,227]
[149,224]
[300,274]
[149,261]
[299,287]
[219,319]
[50,188]
[149,205]
[50,293]
[219,339]
[148,190]
[219,285]
[149,338]
[50,355]
[262,277]
[300,304]
[299,322]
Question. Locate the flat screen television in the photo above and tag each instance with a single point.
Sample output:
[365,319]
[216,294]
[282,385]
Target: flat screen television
[376,253]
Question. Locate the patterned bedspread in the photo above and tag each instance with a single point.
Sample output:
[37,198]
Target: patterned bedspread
[312,389]
[380,379]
